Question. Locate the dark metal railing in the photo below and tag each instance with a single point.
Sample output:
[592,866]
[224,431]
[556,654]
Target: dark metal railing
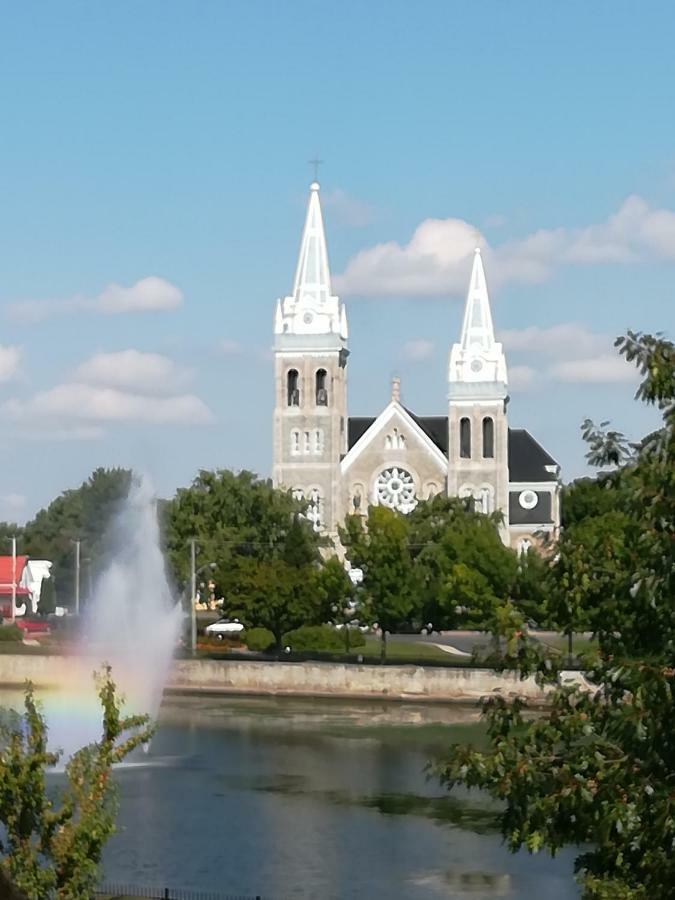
[134,892]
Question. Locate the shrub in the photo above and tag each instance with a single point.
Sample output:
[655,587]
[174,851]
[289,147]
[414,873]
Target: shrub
[10,633]
[258,639]
[323,638]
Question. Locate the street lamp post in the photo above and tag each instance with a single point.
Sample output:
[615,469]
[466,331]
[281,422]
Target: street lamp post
[193,595]
[13,611]
[194,571]
[77,577]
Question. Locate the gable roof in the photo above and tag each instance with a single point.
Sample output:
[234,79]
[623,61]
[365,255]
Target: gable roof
[356,428]
[435,428]
[528,459]
[362,430]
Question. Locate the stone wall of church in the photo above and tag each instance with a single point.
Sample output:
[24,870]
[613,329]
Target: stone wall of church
[410,455]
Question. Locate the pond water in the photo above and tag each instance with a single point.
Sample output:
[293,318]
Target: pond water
[322,799]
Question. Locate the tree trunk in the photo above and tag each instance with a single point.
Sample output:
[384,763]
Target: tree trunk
[7,889]
[383,646]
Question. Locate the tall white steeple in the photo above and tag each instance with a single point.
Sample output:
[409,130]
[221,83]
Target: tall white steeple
[477,363]
[312,309]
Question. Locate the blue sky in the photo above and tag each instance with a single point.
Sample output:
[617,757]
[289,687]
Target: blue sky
[169,141]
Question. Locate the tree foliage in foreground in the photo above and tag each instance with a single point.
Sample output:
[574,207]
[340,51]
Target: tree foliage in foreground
[599,768]
[51,851]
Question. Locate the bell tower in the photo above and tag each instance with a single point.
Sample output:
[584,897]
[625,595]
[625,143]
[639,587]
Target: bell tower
[310,359]
[477,397]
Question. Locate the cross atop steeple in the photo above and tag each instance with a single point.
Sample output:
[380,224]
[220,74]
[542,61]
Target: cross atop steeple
[316,162]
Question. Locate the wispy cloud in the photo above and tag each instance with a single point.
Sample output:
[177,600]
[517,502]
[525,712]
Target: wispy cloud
[570,353]
[10,362]
[346,209]
[151,294]
[437,258]
[418,349]
[133,370]
[73,402]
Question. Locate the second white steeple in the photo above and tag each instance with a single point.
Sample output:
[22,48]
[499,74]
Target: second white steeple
[477,363]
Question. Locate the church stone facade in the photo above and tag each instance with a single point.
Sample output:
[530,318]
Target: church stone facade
[340,465]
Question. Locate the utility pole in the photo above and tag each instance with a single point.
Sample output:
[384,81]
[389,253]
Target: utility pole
[13,615]
[193,594]
[77,577]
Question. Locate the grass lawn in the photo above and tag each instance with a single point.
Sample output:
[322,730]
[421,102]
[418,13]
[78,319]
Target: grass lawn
[408,651]
[580,644]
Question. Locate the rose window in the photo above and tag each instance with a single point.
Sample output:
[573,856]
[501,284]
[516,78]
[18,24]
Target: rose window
[395,488]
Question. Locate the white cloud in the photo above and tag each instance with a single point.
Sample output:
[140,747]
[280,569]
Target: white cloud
[141,373]
[347,209]
[82,402]
[10,360]
[436,260]
[151,294]
[523,378]
[564,340]
[604,369]
[418,350]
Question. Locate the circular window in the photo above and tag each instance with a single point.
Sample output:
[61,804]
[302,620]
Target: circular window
[395,488]
[308,318]
[476,365]
[528,499]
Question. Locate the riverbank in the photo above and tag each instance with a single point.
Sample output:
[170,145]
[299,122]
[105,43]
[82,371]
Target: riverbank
[307,679]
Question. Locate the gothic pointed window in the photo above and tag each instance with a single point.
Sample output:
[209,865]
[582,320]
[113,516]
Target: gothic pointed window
[295,442]
[488,438]
[318,441]
[307,448]
[292,388]
[321,389]
[465,438]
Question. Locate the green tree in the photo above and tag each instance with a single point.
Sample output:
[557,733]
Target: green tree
[50,851]
[598,769]
[273,594]
[462,568]
[379,547]
[235,517]
[84,514]
[336,591]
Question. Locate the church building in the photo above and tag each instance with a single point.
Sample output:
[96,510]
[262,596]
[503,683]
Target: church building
[342,464]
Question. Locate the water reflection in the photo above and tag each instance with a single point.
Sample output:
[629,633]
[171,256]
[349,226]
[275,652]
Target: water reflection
[316,799]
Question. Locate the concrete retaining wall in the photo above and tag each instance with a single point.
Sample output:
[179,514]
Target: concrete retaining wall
[317,679]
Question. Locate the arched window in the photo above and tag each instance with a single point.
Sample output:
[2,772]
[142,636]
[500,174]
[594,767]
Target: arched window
[488,438]
[321,390]
[292,389]
[308,443]
[295,442]
[524,545]
[315,509]
[465,438]
[318,441]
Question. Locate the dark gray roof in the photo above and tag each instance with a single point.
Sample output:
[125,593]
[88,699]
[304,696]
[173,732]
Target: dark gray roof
[527,458]
[356,428]
[435,427]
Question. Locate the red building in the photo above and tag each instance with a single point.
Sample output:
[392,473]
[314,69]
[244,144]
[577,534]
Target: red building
[12,572]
